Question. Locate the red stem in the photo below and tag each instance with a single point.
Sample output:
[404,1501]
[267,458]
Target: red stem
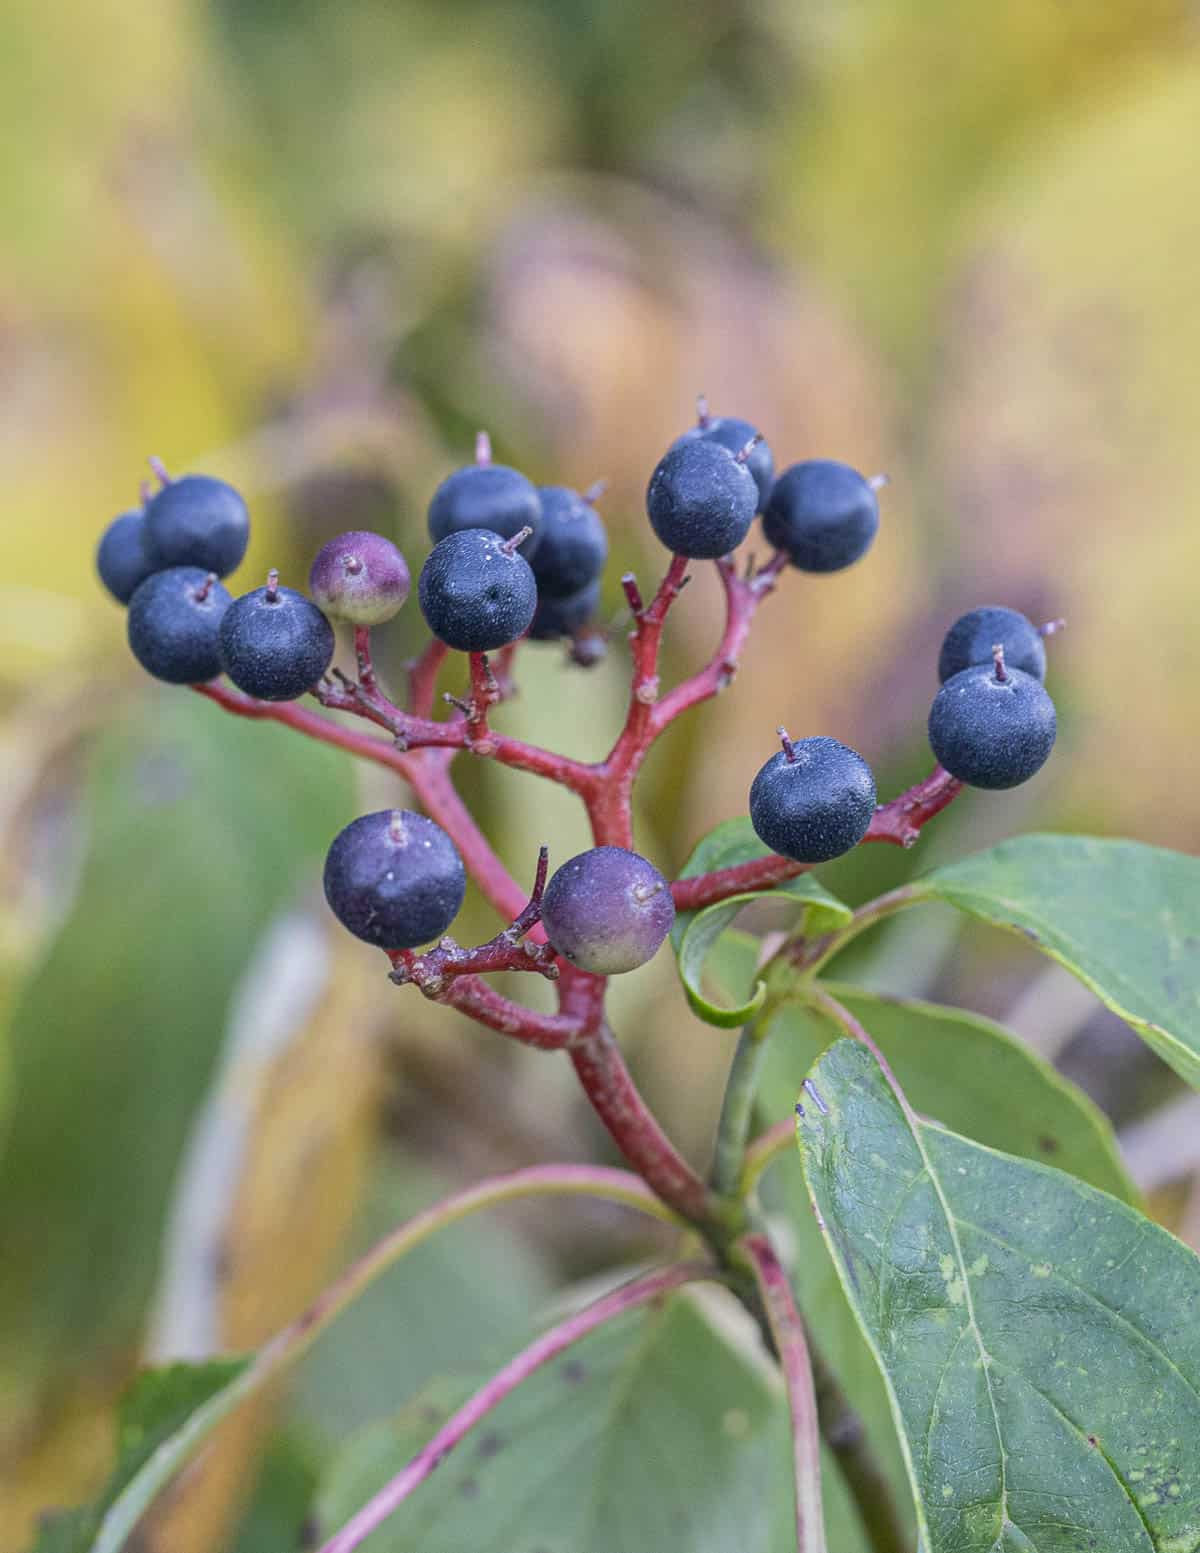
[639,1291]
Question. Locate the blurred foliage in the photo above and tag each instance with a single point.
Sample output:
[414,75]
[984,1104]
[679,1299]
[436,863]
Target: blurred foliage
[311,248]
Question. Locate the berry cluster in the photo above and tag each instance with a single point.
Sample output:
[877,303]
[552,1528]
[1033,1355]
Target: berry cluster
[509,561]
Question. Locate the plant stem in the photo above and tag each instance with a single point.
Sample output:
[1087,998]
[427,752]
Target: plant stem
[809,956]
[737,1109]
[764,1151]
[792,1348]
[639,1291]
[842,1430]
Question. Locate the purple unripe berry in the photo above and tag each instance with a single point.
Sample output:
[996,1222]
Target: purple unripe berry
[197,521]
[394,879]
[823,514]
[734,434]
[121,558]
[971,638]
[275,643]
[486,496]
[701,500]
[555,617]
[813,801]
[607,910]
[992,726]
[173,625]
[475,592]
[572,543]
[360,578]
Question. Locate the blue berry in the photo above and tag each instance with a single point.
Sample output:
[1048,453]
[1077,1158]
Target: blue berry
[607,910]
[572,543]
[734,434]
[813,801]
[701,500]
[275,643]
[197,521]
[475,592]
[486,496]
[971,638]
[360,578]
[173,624]
[121,557]
[555,617]
[394,879]
[822,514]
[992,726]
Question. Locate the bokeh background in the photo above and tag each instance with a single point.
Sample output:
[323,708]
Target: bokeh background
[311,248]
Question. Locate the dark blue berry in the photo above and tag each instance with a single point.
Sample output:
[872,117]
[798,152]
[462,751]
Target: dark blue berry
[572,543]
[275,643]
[822,514]
[174,622]
[476,593]
[992,726]
[359,577]
[607,910]
[395,879]
[555,617]
[813,801]
[121,557]
[701,500]
[970,640]
[197,521]
[486,496]
[734,434]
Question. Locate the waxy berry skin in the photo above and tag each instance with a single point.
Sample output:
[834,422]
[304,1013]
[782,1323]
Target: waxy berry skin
[475,594]
[197,521]
[822,514]
[813,802]
[734,434]
[991,731]
[121,558]
[394,879]
[572,543]
[486,496]
[607,910]
[360,578]
[275,643]
[555,617]
[174,623]
[971,638]
[700,500]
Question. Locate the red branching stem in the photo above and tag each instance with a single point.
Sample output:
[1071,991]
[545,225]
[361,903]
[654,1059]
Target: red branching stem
[788,1332]
[422,678]
[639,1291]
[362,652]
[472,996]
[899,822]
[485,693]
[647,637]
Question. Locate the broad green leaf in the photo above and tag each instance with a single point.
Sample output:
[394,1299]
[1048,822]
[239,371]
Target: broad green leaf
[162,1413]
[962,1070]
[666,1431]
[695,933]
[1123,917]
[1040,1340]
[200,828]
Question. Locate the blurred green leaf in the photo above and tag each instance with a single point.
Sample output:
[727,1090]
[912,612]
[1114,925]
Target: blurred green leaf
[1123,917]
[668,1431]
[1039,1338]
[696,933]
[199,830]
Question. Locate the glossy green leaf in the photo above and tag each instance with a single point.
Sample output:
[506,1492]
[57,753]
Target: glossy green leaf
[1040,1340]
[666,1431]
[163,1415]
[1123,917]
[695,933]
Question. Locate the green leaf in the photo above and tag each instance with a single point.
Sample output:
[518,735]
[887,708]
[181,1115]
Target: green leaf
[666,1430]
[162,1415]
[1123,917]
[962,1070]
[695,933]
[1040,1340]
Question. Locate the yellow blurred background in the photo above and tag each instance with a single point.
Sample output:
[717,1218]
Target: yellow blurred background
[311,248]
